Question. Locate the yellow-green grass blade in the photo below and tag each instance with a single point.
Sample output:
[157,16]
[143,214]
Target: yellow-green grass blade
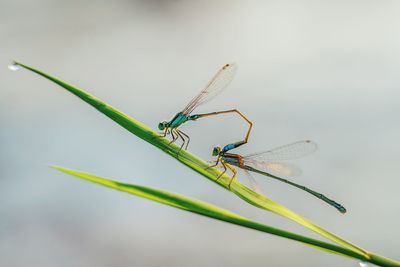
[212,211]
[197,164]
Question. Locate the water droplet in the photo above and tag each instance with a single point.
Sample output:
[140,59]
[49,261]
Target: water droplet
[14,67]
[363,264]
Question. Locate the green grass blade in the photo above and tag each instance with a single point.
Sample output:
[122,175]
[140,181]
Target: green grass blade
[203,208]
[212,211]
[197,164]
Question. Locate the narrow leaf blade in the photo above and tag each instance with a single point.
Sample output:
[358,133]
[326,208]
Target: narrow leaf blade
[209,210]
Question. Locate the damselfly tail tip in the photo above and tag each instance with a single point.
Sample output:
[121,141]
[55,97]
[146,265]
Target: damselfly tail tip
[229,65]
[341,209]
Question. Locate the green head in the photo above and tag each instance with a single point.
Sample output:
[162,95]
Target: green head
[216,151]
[162,125]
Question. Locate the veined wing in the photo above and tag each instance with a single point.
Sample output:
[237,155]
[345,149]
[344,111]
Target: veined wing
[275,168]
[217,84]
[253,183]
[291,151]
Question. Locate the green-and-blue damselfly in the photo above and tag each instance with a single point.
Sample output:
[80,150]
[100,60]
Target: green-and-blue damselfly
[217,84]
[269,163]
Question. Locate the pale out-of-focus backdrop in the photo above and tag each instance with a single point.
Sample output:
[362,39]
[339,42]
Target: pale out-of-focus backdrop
[320,70]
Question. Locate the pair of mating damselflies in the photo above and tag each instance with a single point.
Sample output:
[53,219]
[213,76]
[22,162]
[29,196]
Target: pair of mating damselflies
[269,163]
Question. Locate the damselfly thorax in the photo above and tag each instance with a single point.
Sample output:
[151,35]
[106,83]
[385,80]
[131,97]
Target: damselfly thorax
[233,159]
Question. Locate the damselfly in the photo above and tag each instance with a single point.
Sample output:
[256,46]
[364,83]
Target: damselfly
[217,84]
[269,163]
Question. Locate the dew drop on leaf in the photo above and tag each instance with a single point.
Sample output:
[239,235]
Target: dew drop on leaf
[14,67]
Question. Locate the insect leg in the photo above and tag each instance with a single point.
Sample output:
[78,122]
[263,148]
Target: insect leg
[173,137]
[234,173]
[223,165]
[188,138]
[165,133]
[183,140]
[216,163]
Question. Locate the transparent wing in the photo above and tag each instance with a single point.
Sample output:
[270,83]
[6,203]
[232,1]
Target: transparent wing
[217,84]
[291,151]
[253,183]
[275,168]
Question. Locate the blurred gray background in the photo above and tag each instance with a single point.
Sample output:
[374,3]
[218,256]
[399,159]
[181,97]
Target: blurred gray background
[320,70]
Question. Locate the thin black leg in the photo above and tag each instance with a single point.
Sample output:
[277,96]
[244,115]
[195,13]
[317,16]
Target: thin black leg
[173,137]
[165,132]
[183,140]
[188,139]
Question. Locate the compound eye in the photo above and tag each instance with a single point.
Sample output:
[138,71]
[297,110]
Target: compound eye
[161,126]
[215,151]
